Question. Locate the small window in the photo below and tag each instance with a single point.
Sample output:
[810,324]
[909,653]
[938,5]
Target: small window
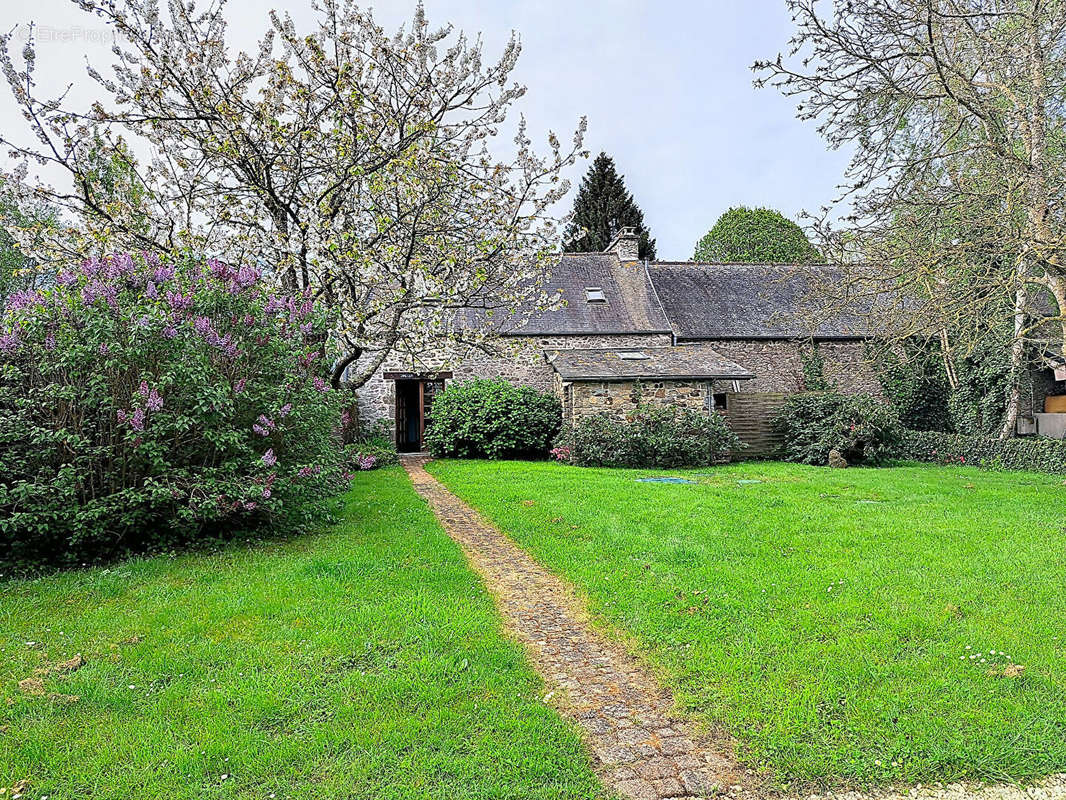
[633,355]
[594,294]
[721,402]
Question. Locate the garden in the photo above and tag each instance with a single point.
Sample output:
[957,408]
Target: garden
[864,626]
[363,660]
[216,580]
[860,627]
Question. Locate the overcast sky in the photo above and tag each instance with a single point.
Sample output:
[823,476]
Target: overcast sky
[666,86]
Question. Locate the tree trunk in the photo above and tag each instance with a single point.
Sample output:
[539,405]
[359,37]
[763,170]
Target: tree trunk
[343,364]
[1017,359]
[1037,212]
[949,364]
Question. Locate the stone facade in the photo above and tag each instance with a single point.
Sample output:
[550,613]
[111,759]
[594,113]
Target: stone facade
[518,360]
[778,364]
[621,398]
[749,405]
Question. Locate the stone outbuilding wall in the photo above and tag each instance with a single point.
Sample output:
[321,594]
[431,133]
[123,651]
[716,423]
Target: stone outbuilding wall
[778,364]
[519,360]
[621,398]
[749,405]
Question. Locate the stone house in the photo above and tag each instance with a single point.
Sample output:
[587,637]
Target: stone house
[715,337]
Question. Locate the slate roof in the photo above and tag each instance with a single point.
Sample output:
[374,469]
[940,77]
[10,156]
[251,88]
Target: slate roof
[691,300]
[752,301]
[685,362]
[631,305]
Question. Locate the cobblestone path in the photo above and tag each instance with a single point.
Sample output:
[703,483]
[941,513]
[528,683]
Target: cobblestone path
[640,748]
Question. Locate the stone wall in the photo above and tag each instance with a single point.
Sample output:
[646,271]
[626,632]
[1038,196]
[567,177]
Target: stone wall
[779,371]
[778,365]
[1041,384]
[518,360]
[620,398]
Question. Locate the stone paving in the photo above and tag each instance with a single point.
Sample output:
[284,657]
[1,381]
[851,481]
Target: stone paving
[640,747]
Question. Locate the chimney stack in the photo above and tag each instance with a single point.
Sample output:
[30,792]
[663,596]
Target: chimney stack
[625,244]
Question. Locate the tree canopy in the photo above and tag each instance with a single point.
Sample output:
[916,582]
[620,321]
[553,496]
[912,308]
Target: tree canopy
[603,207]
[351,163]
[756,236]
[957,182]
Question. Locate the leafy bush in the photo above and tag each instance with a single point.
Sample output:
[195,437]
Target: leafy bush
[492,419]
[1039,454]
[650,437]
[145,402]
[861,427]
[373,448]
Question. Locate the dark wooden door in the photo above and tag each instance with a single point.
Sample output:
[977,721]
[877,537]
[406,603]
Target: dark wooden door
[408,416]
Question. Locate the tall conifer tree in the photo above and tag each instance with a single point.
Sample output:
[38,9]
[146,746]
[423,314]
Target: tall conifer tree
[604,206]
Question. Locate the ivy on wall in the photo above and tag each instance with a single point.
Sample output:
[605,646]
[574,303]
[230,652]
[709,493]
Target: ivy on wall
[814,379]
[913,381]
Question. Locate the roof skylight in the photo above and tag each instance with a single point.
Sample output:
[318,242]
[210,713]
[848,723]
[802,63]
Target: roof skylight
[632,355]
[594,294]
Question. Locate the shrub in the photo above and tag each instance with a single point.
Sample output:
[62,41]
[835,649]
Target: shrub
[145,402]
[492,419]
[372,448]
[861,427]
[650,437]
[1038,454]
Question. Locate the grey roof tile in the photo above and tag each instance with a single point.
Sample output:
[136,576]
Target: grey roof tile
[691,362]
[743,301]
[631,305]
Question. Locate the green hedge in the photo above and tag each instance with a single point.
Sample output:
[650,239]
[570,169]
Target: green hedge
[493,419]
[649,437]
[1038,454]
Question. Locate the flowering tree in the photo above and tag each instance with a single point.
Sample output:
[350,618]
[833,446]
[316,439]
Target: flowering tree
[341,160]
[147,400]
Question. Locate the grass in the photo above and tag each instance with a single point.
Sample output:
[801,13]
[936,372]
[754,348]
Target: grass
[840,623]
[364,662]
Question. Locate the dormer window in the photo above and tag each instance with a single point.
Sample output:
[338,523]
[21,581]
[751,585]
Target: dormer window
[594,294]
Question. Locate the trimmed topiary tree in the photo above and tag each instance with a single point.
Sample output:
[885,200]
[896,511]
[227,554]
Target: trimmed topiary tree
[650,437]
[756,236]
[492,419]
[861,428]
[145,402]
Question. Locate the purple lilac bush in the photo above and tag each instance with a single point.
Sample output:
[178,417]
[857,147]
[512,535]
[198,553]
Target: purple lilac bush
[147,401]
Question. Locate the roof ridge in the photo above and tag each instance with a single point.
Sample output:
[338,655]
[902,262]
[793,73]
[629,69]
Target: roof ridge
[734,264]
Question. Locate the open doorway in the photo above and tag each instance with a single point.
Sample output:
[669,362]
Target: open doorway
[414,405]
[408,416]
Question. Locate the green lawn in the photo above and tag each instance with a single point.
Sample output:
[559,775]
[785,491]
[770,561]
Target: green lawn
[840,623]
[365,662]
